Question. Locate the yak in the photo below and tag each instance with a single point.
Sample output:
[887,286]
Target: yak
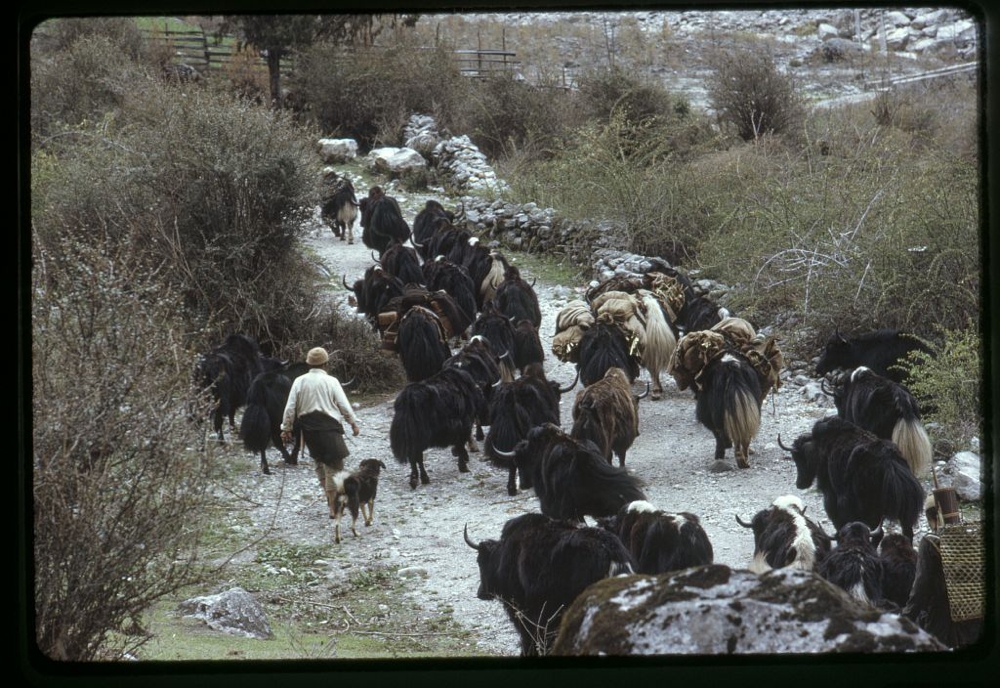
[862,478]
[421,343]
[604,346]
[431,218]
[881,351]
[571,478]
[441,274]
[516,299]
[226,372]
[402,262]
[607,413]
[374,292]
[854,565]
[515,408]
[785,538]
[539,566]
[658,541]
[497,329]
[899,568]
[887,409]
[382,220]
[527,345]
[728,403]
[339,209]
[436,412]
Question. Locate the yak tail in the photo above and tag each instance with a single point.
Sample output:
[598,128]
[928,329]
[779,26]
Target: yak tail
[914,445]
[741,419]
[492,280]
[410,428]
[255,428]
[660,339]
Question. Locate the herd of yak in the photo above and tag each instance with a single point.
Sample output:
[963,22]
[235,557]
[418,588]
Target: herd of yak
[465,326]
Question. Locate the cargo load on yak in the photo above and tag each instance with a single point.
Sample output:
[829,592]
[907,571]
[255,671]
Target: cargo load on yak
[696,350]
[571,322]
[452,320]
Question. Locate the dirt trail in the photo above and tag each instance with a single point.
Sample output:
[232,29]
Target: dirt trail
[420,531]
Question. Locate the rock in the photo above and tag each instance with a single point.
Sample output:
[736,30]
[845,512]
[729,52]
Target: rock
[721,467]
[396,161]
[338,150]
[412,572]
[827,31]
[965,470]
[716,610]
[234,611]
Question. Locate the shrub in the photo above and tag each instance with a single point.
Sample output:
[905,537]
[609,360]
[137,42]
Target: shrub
[749,92]
[85,81]
[209,192]
[613,89]
[368,94]
[116,475]
[948,385]
[503,115]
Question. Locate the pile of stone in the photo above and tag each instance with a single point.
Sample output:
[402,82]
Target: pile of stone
[527,227]
[464,167]
[421,134]
[337,151]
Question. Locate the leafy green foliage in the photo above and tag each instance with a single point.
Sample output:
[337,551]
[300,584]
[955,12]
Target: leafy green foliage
[948,384]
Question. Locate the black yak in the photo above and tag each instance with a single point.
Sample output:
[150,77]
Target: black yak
[862,478]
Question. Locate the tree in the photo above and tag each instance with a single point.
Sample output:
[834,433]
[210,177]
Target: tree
[278,35]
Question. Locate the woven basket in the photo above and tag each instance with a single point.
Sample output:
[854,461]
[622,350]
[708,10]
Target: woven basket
[962,550]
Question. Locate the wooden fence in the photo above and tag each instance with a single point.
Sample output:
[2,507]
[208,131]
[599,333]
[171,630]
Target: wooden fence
[207,53]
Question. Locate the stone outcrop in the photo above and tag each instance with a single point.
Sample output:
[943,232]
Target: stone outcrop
[717,610]
[234,611]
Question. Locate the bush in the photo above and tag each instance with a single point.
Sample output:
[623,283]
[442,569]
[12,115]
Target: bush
[613,89]
[747,91]
[370,93]
[117,478]
[504,116]
[83,82]
[209,191]
[948,385]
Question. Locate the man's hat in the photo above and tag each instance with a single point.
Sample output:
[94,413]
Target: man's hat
[317,356]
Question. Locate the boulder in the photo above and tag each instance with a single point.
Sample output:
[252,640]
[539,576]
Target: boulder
[338,150]
[827,31]
[717,610]
[234,611]
[396,161]
[964,472]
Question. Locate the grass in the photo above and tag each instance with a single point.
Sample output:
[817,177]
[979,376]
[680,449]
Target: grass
[547,269]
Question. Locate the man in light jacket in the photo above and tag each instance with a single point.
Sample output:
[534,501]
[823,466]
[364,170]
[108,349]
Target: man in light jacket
[313,403]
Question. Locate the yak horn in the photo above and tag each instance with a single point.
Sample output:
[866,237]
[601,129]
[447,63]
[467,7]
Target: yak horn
[644,394]
[822,386]
[572,385]
[503,454]
[375,259]
[742,523]
[533,280]
[468,541]
[497,383]
[343,278]
[787,449]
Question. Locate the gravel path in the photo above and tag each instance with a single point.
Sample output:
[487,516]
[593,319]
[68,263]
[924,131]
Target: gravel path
[419,532]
